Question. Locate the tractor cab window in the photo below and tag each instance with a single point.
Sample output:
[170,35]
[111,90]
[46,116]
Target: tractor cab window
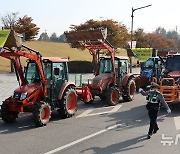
[121,68]
[172,63]
[148,64]
[47,72]
[32,74]
[58,71]
[105,66]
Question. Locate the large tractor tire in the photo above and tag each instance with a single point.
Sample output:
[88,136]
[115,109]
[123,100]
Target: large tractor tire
[6,115]
[102,97]
[68,103]
[112,96]
[129,90]
[42,114]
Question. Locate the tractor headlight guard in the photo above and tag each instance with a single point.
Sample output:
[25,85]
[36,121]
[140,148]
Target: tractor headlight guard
[23,96]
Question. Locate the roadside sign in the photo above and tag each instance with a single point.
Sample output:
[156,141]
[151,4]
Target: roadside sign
[142,54]
[3,37]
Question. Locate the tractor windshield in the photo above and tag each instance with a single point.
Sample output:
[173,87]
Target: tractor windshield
[172,63]
[148,64]
[105,66]
[32,74]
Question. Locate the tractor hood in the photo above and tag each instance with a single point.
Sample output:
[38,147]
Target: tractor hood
[174,74]
[27,90]
[102,80]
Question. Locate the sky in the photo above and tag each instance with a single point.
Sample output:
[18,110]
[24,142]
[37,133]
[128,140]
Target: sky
[58,15]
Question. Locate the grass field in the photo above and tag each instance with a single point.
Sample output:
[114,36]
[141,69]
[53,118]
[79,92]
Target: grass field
[52,49]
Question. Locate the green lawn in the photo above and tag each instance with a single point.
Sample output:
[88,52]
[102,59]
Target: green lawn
[52,49]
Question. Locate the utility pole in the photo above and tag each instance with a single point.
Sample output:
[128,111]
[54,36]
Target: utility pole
[132,16]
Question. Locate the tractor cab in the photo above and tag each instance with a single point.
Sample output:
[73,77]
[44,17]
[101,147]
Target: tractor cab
[172,66]
[55,72]
[152,67]
[121,67]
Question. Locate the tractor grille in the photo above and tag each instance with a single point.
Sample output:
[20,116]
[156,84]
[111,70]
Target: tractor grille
[17,95]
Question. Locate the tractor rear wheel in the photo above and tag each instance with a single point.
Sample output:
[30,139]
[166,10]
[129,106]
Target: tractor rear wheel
[68,103]
[102,97]
[129,90]
[42,114]
[6,115]
[112,96]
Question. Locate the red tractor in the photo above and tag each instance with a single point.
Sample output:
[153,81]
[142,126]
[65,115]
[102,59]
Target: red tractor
[43,87]
[112,79]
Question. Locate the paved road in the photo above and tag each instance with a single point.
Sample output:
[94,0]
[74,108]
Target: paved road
[95,129]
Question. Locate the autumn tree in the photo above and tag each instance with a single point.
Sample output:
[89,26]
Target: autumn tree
[26,26]
[159,42]
[117,34]
[9,20]
[139,37]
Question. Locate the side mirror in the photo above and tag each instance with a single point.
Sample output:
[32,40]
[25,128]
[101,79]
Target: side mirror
[56,71]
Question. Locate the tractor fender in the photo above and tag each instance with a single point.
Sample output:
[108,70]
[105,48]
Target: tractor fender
[64,86]
[126,78]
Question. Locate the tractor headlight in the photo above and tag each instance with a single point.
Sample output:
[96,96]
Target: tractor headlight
[23,96]
[90,81]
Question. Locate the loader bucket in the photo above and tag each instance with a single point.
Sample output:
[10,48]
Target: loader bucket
[83,35]
[9,39]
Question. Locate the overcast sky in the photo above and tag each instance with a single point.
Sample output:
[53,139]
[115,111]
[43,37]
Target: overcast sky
[57,15]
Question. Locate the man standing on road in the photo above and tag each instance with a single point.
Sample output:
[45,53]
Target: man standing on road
[154,98]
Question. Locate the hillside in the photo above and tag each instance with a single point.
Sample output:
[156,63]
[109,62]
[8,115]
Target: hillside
[54,49]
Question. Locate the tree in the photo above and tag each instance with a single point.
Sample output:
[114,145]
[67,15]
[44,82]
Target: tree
[161,30]
[54,38]
[44,37]
[9,20]
[26,26]
[159,42]
[117,33]
[139,37]
[62,38]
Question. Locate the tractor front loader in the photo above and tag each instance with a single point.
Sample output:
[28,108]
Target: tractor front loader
[43,85]
[112,79]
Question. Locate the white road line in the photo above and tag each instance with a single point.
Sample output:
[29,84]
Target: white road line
[25,126]
[2,131]
[87,112]
[82,139]
[177,122]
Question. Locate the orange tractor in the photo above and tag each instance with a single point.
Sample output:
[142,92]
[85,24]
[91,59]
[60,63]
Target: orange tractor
[112,79]
[170,79]
[43,85]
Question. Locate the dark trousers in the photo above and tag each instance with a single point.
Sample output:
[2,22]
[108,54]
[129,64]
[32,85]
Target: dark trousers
[153,121]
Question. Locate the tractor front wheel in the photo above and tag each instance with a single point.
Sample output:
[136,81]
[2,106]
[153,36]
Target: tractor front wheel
[6,115]
[112,96]
[68,103]
[42,114]
[129,90]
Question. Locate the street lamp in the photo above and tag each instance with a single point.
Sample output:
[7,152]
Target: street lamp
[132,30]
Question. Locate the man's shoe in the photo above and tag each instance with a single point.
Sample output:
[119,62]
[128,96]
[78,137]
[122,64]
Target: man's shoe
[149,136]
[155,131]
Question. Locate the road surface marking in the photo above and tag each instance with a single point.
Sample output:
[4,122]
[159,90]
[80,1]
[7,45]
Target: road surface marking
[26,126]
[87,112]
[177,122]
[2,131]
[82,139]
